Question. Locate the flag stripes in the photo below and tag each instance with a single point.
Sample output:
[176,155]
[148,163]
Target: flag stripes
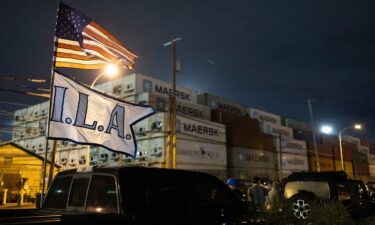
[83,44]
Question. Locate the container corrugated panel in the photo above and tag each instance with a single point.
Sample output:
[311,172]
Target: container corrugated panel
[157,125]
[364,149]
[254,140]
[294,162]
[161,103]
[251,158]
[351,139]
[222,104]
[360,164]
[306,136]
[290,145]
[277,130]
[239,122]
[263,116]
[330,140]
[326,164]
[134,84]
[295,124]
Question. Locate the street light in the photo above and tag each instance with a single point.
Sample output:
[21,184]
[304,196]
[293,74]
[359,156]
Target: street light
[326,129]
[355,127]
[111,70]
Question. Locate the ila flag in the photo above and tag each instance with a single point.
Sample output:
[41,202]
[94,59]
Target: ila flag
[85,116]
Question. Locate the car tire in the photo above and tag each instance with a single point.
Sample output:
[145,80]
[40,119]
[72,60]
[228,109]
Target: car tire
[300,205]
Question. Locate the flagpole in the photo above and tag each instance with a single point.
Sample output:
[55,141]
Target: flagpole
[49,114]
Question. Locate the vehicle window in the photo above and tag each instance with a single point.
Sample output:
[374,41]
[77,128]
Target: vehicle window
[166,196]
[209,195]
[57,196]
[319,188]
[78,193]
[357,191]
[342,192]
[102,196]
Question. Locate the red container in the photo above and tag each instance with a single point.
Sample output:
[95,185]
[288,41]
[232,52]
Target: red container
[254,140]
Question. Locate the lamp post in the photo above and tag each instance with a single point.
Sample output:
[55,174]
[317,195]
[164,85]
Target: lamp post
[173,137]
[356,127]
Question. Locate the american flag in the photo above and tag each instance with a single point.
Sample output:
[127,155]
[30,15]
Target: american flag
[83,44]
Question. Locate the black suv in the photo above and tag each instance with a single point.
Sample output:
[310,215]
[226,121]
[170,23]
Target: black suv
[304,187]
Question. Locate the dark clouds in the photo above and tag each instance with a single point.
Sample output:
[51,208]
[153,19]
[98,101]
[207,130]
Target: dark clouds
[266,54]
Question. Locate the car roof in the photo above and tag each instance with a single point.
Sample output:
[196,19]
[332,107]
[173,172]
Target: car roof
[317,176]
[113,170]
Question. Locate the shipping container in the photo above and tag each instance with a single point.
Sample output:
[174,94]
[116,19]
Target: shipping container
[290,145]
[263,116]
[255,140]
[233,121]
[352,140]
[245,163]
[326,164]
[360,164]
[134,84]
[276,130]
[158,125]
[161,104]
[307,136]
[364,149]
[295,124]
[293,162]
[222,104]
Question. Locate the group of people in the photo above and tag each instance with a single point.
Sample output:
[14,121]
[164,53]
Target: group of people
[258,195]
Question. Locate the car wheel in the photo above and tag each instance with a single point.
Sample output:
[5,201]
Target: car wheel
[301,206]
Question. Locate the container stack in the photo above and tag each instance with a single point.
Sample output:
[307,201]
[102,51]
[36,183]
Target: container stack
[30,128]
[250,152]
[201,144]
[293,152]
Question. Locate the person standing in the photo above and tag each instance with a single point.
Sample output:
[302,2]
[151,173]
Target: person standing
[274,195]
[233,185]
[257,194]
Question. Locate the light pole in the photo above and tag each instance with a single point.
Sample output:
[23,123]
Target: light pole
[356,127]
[173,105]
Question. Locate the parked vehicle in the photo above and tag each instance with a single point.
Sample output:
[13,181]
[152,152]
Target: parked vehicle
[134,195]
[301,188]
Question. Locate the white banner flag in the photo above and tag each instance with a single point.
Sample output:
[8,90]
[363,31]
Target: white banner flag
[85,116]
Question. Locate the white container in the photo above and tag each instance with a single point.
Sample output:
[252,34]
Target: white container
[201,153]
[352,140]
[277,130]
[364,149]
[161,104]
[263,116]
[157,125]
[219,103]
[205,130]
[134,84]
[244,157]
[290,145]
[293,162]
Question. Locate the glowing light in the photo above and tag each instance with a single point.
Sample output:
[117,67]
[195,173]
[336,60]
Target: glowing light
[111,70]
[326,129]
[357,126]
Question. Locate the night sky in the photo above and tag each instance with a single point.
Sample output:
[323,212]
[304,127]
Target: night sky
[269,55]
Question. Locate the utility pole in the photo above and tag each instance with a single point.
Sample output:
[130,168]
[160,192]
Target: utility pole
[313,134]
[281,158]
[173,137]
